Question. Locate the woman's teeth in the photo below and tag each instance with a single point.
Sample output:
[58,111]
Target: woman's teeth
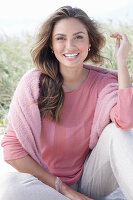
[70,55]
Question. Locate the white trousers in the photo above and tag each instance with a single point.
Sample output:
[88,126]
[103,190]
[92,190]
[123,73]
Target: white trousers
[109,166]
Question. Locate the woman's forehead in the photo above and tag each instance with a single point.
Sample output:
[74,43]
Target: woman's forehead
[66,25]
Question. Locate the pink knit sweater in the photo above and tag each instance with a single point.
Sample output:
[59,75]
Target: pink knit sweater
[62,148]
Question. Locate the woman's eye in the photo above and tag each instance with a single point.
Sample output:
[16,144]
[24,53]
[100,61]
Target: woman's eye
[60,38]
[79,37]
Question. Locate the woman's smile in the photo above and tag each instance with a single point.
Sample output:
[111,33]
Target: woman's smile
[70,43]
[71,56]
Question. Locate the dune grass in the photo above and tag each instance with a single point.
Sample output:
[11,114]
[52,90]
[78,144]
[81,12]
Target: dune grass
[15,60]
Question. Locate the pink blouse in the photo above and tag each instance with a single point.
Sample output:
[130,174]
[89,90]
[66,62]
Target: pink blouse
[65,145]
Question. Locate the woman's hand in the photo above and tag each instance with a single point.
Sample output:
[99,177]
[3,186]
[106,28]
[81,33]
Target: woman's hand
[122,46]
[72,194]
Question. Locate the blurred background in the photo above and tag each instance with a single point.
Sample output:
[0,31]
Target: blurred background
[17,17]
[20,20]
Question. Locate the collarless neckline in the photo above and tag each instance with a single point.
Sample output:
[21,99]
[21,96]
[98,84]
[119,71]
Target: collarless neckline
[81,86]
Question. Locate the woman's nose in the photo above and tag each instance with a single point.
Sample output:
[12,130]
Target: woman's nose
[70,44]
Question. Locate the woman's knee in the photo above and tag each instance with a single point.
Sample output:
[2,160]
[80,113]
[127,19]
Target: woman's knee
[12,185]
[7,186]
[108,130]
[111,138]
[119,135]
[117,142]
[111,132]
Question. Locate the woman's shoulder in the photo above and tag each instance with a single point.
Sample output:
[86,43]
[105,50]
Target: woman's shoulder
[102,74]
[31,74]
[30,78]
[28,84]
[100,77]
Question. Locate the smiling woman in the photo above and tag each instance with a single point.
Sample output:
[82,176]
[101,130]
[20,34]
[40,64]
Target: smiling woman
[64,108]
[71,49]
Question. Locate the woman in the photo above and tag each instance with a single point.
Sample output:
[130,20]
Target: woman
[60,109]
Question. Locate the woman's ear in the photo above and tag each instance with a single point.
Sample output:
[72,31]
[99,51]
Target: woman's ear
[50,46]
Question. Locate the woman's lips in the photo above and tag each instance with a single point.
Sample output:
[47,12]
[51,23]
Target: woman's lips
[71,55]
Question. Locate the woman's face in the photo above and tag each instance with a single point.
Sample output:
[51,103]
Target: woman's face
[70,42]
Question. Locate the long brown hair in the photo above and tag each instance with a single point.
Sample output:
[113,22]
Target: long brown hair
[51,97]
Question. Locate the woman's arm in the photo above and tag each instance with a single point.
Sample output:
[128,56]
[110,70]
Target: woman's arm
[28,165]
[120,114]
[121,53]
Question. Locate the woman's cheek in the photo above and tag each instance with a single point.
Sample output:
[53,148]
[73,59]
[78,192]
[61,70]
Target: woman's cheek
[58,48]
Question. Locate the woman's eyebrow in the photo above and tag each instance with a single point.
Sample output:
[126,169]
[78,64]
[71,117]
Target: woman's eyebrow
[61,34]
[79,32]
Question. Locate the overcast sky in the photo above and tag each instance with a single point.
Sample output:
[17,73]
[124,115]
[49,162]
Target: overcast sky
[26,15]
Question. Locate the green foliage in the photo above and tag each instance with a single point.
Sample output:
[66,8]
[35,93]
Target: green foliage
[15,60]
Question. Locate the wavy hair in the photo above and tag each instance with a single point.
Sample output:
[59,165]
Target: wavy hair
[51,96]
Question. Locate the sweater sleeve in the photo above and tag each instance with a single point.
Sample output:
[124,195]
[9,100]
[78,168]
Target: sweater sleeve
[12,148]
[122,113]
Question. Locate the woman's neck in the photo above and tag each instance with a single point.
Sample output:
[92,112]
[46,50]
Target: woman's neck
[74,78]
